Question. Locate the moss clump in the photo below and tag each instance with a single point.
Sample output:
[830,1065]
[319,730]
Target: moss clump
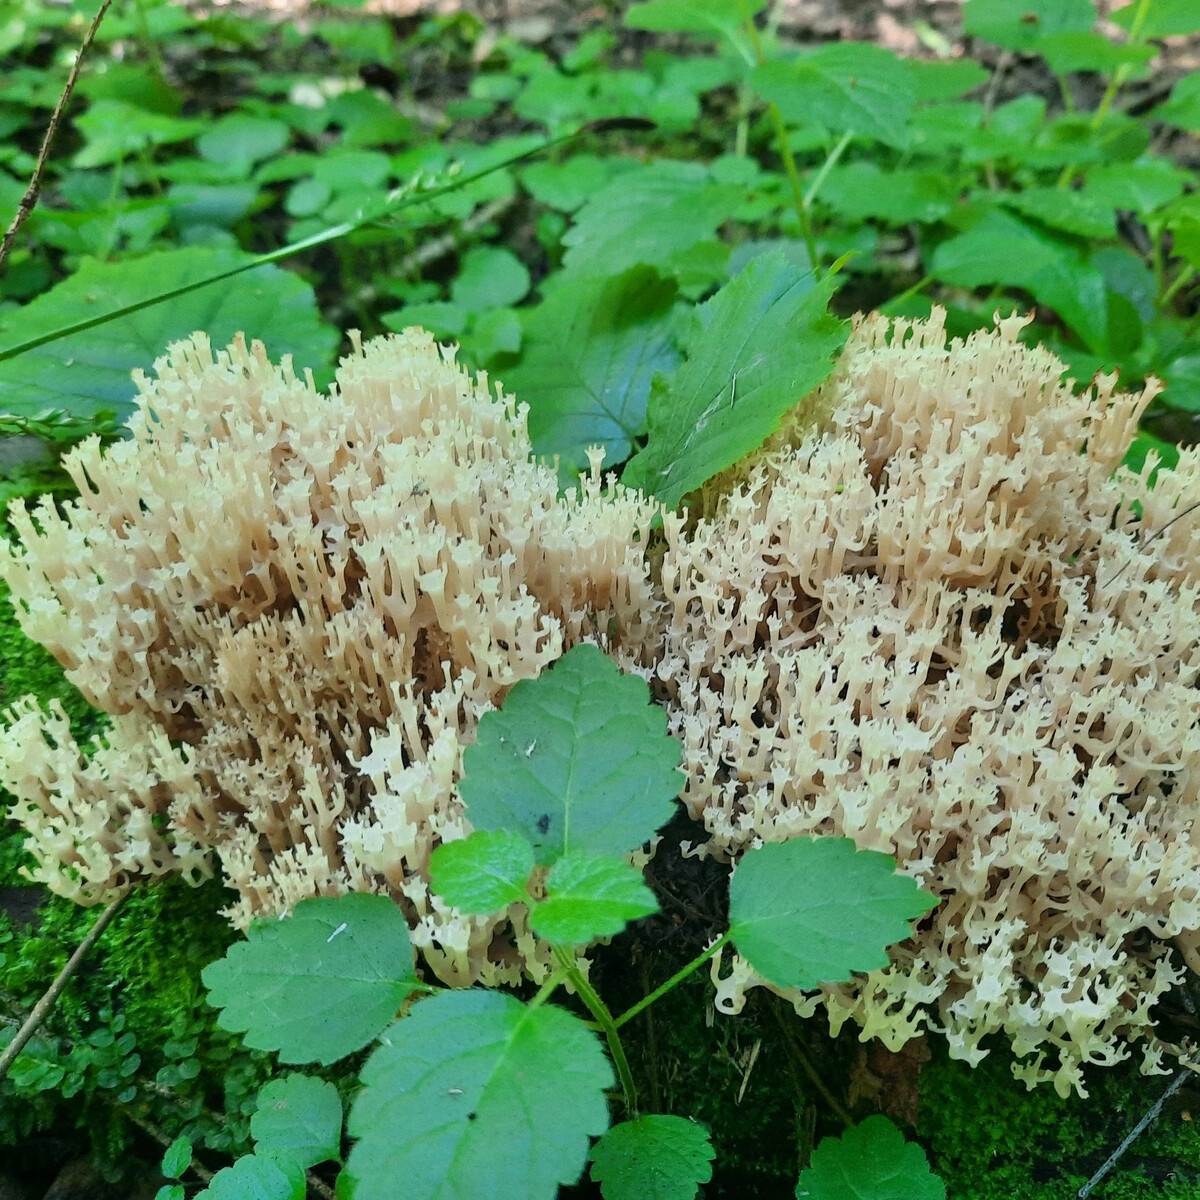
[991,1139]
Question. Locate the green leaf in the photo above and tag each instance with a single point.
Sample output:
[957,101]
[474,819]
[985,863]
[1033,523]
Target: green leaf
[712,18]
[1020,24]
[1067,52]
[1079,212]
[177,1158]
[848,87]
[89,371]
[298,1119]
[490,277]
[757,348]
[576,760]
[591,350]
[239,140]
[860,191]
[646,216]
[319,985]
[1140,187]
[476,1094]
[114,130]
[943,80]
[1166,18]
[171,1191]
[566,186]
[815,910]
[257,1177]
[870,1161]
[1183,107]
[590,897]
[482,873]
[442,318]
[652,1158]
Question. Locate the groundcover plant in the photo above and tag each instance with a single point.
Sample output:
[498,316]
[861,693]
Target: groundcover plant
[651,250]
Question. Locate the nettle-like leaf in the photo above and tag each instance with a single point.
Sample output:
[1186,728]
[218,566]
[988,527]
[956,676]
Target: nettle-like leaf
[589,897]
[1020,24]
[299,1119]
[90,371]
[653,1158]
[318,985]
[815,910]
[848,87]
[576,760]
[482,873]
[647,216]
[871,1161]
[257,1177]
[591,350]
[860,191]
[476,1094]
[755,350]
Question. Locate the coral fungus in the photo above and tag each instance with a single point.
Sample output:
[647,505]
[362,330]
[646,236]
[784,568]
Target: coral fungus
[295,607]
[936,626]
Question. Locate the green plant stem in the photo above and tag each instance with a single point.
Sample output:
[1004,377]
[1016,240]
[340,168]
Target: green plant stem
[830,160]
[921,283]
[678,977]
[604,1019]
[1180,281]
[549,987]
[42,1009]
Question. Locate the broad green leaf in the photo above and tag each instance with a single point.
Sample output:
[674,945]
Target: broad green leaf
[178,1158]
[319,985]
[1020,24]
[443,318]
[870,1161]
[591,350]
[757,348]
[298,1119]
[1166,18]
[576,760]
[1073,211]
[1183,107]
[489,277]
[476,1094]
[114,130]
[1066,52]
[848,87]
[861,191]
[646,216]
[566,186]
[943,80]
[239,140]
[652,1158]
[257,1177]
[171,1191]
[482,873]
[1140,187]
[1182,377]
[590,897]
[815,910]
[719,18]
[89,371]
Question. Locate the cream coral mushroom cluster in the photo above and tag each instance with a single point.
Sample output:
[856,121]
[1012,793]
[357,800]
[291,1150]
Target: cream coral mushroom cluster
[938,626]
[295,606]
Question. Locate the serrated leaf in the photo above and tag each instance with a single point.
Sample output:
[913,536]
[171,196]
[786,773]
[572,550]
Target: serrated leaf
[720,18]
[646,216]
[870,1161]
[1078,212]
[758,347]
[576,760]
[590,897]
[848,87]
[257,1177]
[1140,187]
[1019,24]
[178,1158]
[815,910]
[591,351]
[476,1094]
[652,1158]
[482,873]
[861,191]
[943,80]
[90,371]
[318,985]
[1166,18]
[298,1119]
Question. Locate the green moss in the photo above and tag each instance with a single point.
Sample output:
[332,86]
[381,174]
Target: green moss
[992,1139]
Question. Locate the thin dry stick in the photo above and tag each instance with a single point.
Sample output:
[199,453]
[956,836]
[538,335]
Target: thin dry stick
[1157,533]
[1136,1132]
[30,199]
[46,1003]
